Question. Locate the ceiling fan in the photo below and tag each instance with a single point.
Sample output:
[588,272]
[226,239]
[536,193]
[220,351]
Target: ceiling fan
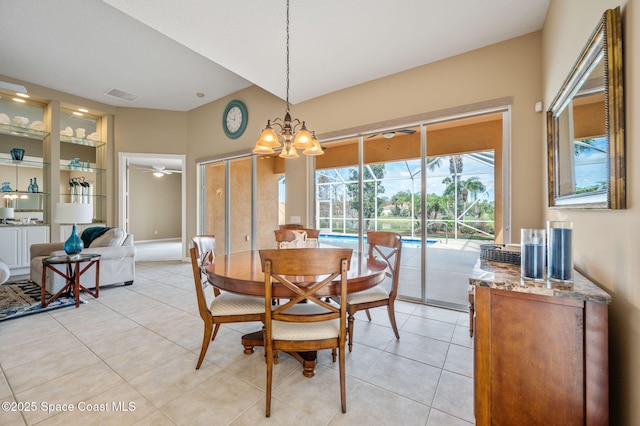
[160,171]
[392,133]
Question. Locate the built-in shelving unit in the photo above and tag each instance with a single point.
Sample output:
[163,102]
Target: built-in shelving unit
[82,173]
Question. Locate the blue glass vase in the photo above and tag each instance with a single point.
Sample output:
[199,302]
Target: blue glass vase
[74,244]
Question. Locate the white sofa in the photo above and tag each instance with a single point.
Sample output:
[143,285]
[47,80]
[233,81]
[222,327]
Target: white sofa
[5,272]
[117,261]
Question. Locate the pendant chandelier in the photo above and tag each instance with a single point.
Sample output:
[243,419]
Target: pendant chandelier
[294,133]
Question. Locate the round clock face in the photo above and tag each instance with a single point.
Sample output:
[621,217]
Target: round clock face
[234,119]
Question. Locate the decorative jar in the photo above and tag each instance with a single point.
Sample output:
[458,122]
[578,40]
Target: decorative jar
[559,251]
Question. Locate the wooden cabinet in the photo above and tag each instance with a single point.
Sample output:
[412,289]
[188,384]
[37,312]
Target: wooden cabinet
[541,353]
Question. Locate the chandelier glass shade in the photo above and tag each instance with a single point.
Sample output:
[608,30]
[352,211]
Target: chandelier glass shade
[292,133]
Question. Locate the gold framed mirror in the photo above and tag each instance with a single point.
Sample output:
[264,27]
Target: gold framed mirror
[585,126]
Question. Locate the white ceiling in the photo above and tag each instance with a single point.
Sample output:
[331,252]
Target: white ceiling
[166,51]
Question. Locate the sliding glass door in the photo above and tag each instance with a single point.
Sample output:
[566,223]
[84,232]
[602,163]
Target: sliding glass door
[234,191]
[434,184]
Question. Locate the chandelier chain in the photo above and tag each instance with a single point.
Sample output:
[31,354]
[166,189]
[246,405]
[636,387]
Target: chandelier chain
[287,55]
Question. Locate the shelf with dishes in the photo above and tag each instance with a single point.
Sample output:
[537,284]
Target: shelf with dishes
[22,201]
[96,143]
[80,168]
[24,132]
[21,180]
[33,163]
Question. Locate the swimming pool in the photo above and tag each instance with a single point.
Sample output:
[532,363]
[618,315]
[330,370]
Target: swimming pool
[353,239]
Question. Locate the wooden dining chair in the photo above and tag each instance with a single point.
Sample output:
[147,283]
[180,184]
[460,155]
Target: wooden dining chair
[388,247]
[285,238]
[300,327]
[312,240]
[224,308]
[291,226]
[205,245]
[290,238]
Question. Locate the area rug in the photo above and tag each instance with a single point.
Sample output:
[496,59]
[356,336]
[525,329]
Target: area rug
[20,298]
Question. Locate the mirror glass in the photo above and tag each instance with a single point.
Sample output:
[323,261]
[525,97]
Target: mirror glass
[585,131]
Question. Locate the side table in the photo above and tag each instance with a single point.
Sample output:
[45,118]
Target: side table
[71,275]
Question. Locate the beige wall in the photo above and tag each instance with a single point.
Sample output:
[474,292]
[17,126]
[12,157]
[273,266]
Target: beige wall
[155,210]
[508,69]
[606,242]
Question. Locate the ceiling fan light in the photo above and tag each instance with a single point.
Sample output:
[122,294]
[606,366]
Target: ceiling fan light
[158,174]
[388,135]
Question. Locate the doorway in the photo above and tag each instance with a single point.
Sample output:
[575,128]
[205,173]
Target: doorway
[152,201]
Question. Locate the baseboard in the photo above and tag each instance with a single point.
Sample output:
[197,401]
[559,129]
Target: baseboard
[161,240]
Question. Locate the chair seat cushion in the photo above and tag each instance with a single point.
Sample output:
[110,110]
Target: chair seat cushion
[370,295]
[283,330]
[234,304]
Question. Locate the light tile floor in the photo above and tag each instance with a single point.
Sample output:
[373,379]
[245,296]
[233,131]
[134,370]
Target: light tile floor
[128,358]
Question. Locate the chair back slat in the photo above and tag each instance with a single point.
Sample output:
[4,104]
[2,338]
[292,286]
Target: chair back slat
[205,246]
[388,247]
[291,226]
[200,286]
[305,272]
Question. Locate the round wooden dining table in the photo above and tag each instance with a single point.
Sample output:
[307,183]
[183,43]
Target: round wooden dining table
[241,273]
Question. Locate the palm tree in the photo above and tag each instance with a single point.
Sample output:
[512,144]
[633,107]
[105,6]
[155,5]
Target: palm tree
[473,186]
[586,145]
[455,165]
[401,200]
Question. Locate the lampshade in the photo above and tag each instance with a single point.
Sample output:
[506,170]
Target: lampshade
[6,213]
[73,213]
[315,149]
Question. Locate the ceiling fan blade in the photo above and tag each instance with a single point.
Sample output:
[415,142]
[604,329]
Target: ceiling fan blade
[407,131]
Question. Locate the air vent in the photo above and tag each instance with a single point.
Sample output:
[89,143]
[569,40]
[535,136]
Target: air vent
[116,93]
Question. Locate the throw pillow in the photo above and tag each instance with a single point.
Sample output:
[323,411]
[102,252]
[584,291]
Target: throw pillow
[91,233]
[113,237]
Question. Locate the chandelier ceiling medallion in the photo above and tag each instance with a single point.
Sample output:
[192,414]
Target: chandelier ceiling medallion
[294,133]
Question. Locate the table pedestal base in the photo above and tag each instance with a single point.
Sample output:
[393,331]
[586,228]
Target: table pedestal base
[307,359]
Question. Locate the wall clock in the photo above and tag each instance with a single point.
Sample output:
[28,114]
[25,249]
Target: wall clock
[234,119]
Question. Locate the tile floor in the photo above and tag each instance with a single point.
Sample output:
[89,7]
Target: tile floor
[128,358]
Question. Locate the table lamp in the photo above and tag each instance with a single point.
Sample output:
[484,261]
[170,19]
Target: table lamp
[6,213]
[73,213]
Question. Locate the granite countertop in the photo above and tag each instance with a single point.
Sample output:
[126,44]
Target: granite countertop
[506,276]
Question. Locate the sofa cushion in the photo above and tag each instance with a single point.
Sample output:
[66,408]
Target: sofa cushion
[113,237]
[91,233]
